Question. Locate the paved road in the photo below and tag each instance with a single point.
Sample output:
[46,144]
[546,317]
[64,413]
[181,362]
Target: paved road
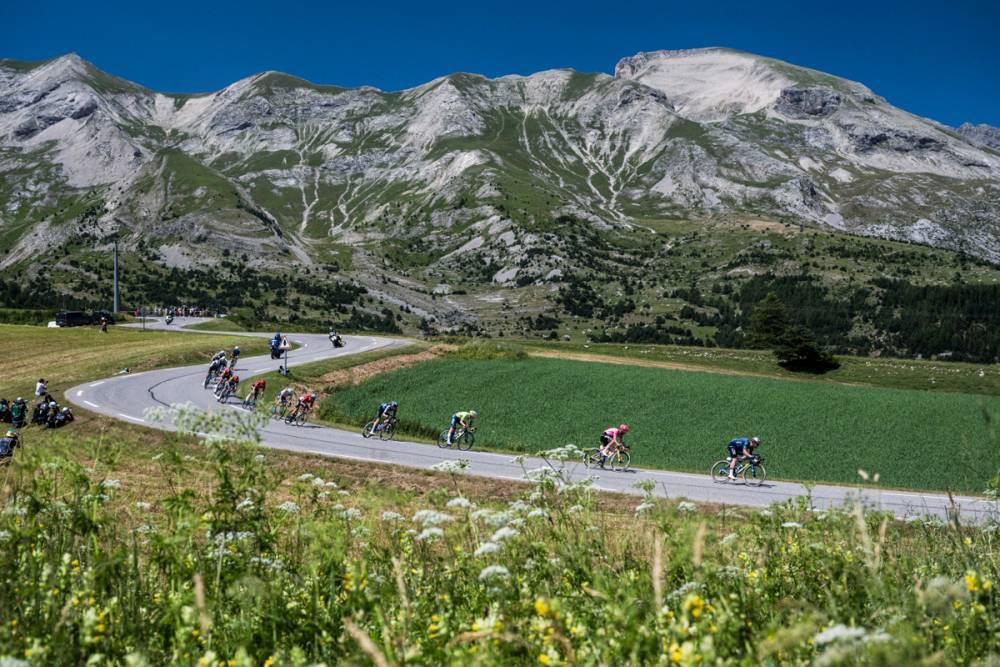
[128,396]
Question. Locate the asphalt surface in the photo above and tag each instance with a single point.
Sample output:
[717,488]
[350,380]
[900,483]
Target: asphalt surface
[128,397]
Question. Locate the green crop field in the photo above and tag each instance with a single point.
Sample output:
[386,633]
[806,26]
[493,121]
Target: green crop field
[683,420]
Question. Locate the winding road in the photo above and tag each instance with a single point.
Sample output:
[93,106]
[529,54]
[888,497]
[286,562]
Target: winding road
[128,397]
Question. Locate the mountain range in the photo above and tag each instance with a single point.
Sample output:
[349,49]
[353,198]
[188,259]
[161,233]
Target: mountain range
[464,180]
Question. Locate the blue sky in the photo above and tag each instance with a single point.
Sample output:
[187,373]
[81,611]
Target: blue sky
[940,61]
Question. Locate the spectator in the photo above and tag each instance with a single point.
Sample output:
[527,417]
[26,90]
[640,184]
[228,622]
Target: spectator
[41,388]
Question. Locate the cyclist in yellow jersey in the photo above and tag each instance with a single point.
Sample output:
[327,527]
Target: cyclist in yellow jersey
[460,419]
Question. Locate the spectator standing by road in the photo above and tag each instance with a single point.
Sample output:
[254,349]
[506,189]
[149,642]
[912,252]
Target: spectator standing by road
[41,388]
[104,325]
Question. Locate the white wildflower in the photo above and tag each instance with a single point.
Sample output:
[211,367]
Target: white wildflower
[245,504]
[143,505]
[342,492]
[791,524]
[685,506]
[487,548]
[504,533]
[111,484]
[575,509]
[352,514]
[731,537]
[392,516]
[537,513]
[460,503]
[430,534]
[838,633]
[306,476]
[323,494]
[288,506]
[331,485]
[431,517]
[4,535]
[451,467]
[642,508]
[519,506]
[259,458]
[494,572]
[318,481]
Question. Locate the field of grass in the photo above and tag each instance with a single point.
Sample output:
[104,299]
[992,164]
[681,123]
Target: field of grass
[218,324]
[682,420]
[66,357]
[172,551]
[877,372]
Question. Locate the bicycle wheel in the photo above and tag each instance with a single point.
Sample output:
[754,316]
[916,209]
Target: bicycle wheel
[620,461]
[389,430]
[592,457]
[754,475]
[368,430]
[466,441]
[290,417]
[300,419]
[719,471]
[443,440]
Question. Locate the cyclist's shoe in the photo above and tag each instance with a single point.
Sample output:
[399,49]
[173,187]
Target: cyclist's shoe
[732,476]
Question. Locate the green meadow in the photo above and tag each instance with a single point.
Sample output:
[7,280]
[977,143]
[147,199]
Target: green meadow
[682,420]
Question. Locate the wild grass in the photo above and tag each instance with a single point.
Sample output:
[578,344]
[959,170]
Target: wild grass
[239,561]
[683,420]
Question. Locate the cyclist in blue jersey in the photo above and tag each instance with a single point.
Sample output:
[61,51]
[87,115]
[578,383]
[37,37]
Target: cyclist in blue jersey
[739,450]
[386,411]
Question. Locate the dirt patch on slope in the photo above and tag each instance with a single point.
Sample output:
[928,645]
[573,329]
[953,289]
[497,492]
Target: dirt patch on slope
[360,373]
[647,363]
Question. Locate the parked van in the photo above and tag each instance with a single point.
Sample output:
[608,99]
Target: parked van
[72,318]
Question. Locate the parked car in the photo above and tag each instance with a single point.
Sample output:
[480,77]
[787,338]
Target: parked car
[105,314]
[73,318]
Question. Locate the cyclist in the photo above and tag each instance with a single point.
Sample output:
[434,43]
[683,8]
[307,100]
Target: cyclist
[220,355]
[224,376]
[739,450]
[256,389]
[460,419]
[385,412]
[305,404]
[232,385]
[235,356]
[612,439]
[213,368]
[283,398]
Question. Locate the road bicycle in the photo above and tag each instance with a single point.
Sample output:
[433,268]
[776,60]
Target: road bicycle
[279,410]
[620,459]
[227,391]
[463,439]
[750,471]
[297,417]
[385,431]
[250,402]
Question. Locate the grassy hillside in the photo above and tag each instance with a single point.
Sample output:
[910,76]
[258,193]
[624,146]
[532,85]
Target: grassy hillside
[682,420]
[67,357]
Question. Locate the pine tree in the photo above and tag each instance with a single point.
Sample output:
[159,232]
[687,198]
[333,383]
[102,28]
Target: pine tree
[768,322]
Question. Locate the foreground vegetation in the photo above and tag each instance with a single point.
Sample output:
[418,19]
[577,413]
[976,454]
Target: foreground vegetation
[683,420]
[233,558]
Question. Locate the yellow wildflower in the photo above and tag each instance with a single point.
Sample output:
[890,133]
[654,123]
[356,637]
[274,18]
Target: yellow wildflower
[541,607]
[544,659]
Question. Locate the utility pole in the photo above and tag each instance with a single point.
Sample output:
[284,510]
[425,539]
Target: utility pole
[115,308]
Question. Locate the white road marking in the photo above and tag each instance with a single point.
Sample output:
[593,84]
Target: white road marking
[79,392]
[95,384]
[122,414]
[93,405]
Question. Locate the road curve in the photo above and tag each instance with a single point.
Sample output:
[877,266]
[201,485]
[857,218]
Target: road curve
[129,396]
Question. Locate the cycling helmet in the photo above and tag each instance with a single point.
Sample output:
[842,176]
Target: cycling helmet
[11,433]
[393,404]
[472,413]
[19,400]
[623,428]
[754,441]
[235,378]
[236,349]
